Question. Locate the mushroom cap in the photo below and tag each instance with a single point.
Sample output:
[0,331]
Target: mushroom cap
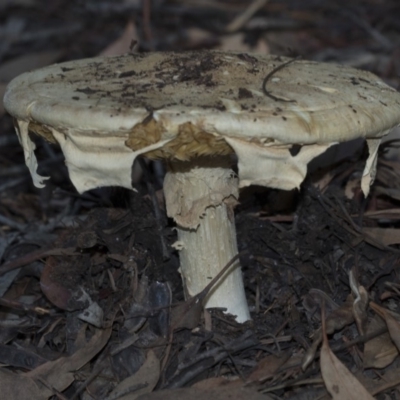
[189,104]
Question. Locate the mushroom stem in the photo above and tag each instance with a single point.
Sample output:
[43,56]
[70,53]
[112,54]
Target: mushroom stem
[201,198]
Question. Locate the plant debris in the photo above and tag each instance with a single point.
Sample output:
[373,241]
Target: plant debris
[91,300]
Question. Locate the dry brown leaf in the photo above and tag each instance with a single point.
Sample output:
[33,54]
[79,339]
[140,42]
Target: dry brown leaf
[58,374]
[390,379]
[380,351]
[386,236]
[16,66]
[335,321]
[339,381]
[393,213]
[148,374]
[225,386]
[123,43]
[17,386]
[218,381]
[392,320]
[394,193]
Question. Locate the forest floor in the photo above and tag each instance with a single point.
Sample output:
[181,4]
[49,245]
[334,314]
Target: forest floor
[89,284]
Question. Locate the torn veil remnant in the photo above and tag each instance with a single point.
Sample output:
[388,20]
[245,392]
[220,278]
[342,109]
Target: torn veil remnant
[195,110]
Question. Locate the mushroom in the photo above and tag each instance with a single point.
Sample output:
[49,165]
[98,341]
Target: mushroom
[201,111]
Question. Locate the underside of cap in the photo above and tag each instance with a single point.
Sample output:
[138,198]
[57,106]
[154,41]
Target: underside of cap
[106,111]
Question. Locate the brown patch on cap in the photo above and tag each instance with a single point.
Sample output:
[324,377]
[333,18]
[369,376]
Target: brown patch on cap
[42,131]
[145,134]
[190,142]
[244,93]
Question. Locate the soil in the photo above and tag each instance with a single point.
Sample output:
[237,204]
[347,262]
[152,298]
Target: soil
[90,283]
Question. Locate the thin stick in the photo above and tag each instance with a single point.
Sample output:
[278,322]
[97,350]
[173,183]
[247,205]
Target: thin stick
[269,76]
[242,18]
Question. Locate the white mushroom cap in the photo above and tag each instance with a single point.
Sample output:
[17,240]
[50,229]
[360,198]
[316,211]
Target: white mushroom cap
[199,103]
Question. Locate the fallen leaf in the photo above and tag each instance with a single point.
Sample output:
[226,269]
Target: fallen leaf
[123,43]
[59,374]
[392,320]
[218,381]
[335,321]
[227,385]
[339,381]
[390,379]
[267,366]
[145,380]
[380,351]
[394,193]
[386,236]
[19,357]
[393,213]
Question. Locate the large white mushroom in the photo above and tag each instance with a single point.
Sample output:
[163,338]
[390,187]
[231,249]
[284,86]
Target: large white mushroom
[196,110]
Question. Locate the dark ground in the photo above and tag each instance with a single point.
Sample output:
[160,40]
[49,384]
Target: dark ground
[87,281]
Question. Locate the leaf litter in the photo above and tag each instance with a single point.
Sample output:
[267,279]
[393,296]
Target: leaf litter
[92,306]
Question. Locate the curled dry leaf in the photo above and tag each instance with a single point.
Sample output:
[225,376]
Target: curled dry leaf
[380,351]
[394,193]
[335,321]
[143,381]
[339,381]
[386,236]
[268,366]
[123,43]
[393,213]
[59,374]
[64,291]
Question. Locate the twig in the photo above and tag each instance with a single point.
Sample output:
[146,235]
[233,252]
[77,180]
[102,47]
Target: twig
[17,305]
[270,74]
[241,19]
[34,256]
[211,358]
[195,301]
